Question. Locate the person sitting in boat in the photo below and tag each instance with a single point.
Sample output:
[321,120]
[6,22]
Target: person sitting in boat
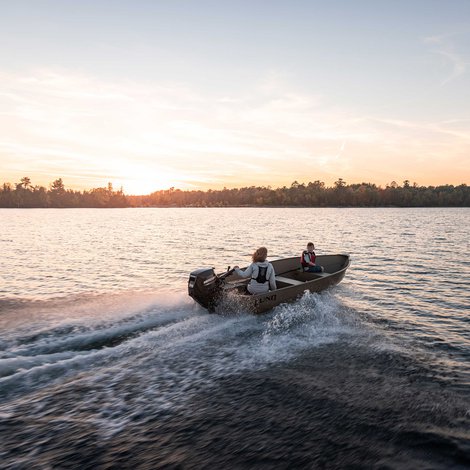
[261,272]
[308,258]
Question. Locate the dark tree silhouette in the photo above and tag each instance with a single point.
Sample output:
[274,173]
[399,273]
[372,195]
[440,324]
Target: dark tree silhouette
[27,196]
[312,194]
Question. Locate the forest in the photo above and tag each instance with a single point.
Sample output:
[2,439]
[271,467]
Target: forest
[313,194]
[25,195]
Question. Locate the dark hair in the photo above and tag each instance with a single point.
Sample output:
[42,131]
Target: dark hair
[310,244]
[260,255]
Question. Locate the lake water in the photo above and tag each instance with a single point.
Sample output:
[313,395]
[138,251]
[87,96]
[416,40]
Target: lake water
[106,362]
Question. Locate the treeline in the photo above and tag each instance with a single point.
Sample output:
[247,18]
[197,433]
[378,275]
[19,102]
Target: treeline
[25,195]
[313,194]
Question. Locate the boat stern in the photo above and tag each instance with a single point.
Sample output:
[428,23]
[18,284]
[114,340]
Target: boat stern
[203,287]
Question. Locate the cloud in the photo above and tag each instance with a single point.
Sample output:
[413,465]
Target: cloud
[445,47]
[78,121]
[149,135]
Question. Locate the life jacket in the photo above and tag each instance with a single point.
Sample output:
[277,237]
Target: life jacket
[262,271]
[312,258]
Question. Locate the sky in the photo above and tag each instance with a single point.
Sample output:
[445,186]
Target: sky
[200,94]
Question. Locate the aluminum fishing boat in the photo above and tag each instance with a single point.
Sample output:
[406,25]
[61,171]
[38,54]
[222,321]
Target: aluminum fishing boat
[211,290]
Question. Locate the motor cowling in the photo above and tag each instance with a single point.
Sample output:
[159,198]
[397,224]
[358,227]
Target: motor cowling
[203,287]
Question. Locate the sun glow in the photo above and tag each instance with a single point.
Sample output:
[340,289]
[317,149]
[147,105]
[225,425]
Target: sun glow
[150,137]
[138,181]
[143,186]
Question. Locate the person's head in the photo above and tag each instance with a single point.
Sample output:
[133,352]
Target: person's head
[260,255]
[310,246]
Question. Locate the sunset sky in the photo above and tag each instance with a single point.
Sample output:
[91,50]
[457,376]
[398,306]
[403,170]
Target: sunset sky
[206,94]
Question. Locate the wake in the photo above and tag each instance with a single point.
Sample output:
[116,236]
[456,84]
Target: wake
[170,347]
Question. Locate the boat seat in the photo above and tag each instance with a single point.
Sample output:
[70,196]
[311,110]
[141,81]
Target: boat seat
[287,280]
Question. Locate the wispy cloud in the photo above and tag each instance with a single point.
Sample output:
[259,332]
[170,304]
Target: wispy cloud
[145,136]
[444,46]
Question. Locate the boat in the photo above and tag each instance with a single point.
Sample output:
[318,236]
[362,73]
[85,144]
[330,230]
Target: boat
[211,290]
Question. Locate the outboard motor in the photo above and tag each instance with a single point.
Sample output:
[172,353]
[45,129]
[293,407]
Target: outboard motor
[203,287]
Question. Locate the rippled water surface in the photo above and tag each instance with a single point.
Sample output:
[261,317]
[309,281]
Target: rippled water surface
[105,362]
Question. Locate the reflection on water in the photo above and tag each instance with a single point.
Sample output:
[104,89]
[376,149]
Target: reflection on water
[105,360]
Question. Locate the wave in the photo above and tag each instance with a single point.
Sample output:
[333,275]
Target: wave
[171,334]
[169,347]
[121,376]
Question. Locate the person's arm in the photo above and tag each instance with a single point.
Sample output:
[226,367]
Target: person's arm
[307,258]
[248,271]
[272,278]
[310,260]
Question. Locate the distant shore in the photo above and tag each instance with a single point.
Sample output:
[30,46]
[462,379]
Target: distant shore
[313,194]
